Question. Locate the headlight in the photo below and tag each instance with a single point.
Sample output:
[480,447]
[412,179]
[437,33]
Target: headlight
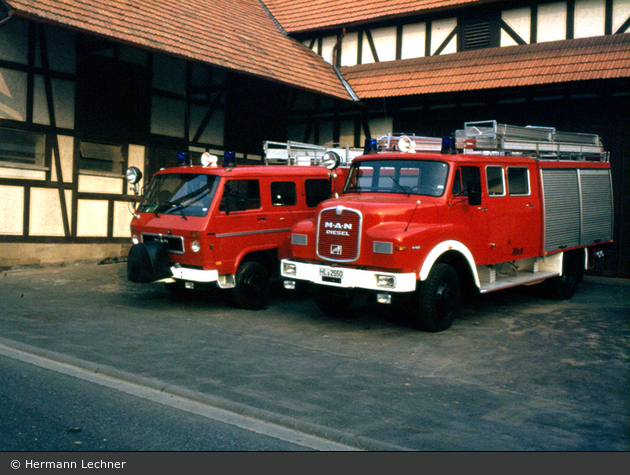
[195,246]
[388,281]
[288,268]
[133,175]
[135,239]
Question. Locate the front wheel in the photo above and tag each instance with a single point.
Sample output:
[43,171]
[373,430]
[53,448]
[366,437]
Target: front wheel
[251,286]
[563,287]
[439,298]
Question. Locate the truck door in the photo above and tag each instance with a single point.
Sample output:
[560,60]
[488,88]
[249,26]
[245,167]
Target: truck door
[525,211]
[469,222]
[499,216]
[240,221]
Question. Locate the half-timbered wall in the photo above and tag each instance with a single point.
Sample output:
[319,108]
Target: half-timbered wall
[75,112]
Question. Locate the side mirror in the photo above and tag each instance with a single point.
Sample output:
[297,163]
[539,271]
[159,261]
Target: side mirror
[474,192]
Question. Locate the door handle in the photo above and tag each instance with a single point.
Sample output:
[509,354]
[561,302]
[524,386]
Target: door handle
[262,218]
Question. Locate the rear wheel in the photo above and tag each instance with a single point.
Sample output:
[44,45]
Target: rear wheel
[563,287]
[251,286]
[439,298]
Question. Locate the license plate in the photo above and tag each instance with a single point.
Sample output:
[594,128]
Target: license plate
[331,273]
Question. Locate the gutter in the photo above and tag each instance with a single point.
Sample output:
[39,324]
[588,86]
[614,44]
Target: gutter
[346,85]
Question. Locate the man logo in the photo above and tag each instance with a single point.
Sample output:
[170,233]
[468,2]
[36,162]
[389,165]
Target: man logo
[335,249]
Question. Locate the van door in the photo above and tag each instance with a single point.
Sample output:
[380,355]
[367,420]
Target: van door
[499,215]
[240,222]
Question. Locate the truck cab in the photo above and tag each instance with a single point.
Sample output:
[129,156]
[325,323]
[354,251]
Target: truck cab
[420,226]
[226,226]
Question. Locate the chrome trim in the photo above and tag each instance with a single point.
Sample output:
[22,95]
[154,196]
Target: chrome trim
[247,233]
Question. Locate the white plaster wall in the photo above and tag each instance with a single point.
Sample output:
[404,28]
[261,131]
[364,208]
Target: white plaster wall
[349,49]
[552,22]
[92,218]
[366,57]
[66,150]
[439,32]
[45,216]
[519,20]
[122,219]
[414,39]
[12,210]
[63,102]
[621,12]
[10,172]
[328,44]
[100,184]
[590,18]
[385,43]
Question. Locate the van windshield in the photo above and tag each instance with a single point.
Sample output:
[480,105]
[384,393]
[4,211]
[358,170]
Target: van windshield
[179,193]
[410,177]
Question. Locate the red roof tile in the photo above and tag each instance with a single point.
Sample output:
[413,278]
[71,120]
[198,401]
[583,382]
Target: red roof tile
[602,57]
[235,34]
[303,15]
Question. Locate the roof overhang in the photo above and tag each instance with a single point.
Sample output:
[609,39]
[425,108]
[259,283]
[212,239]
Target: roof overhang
[585,59]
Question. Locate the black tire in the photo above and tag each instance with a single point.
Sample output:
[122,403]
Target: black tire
[251,286]
[564,286]
[439,297]
[333,302]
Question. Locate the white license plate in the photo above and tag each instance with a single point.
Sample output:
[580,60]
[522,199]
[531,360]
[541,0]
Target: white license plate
[331,273]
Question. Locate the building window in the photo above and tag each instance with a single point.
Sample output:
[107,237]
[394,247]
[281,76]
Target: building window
[22,148]
[101,157]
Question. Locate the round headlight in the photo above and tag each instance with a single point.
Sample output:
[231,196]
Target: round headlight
[195,246]
[134,175]
[331,160]
[135,239]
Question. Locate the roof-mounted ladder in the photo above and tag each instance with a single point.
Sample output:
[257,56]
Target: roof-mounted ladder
[489,137]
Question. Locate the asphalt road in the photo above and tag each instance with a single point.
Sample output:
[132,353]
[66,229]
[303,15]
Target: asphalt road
[516,372]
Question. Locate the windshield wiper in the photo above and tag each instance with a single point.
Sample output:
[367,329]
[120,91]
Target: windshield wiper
[407,192]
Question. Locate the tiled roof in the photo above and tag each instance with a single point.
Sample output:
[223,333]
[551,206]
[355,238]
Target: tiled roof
[602,57]
[303,15]
[235,34]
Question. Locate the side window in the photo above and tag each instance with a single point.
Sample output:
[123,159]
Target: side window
[240,195]
[462,176]
[518,181]
[22,148]
[317,190]
[494,176]
[283,193]
[100,157]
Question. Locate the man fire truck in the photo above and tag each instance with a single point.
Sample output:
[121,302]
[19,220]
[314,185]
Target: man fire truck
[227,226]
[500,206]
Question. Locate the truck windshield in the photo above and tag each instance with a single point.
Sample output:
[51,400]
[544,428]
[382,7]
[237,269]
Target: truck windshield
[179,193]
[410,177]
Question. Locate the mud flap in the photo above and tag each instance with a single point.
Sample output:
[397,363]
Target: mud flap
[148,262]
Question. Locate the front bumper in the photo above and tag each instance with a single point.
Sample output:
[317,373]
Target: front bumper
[348,277]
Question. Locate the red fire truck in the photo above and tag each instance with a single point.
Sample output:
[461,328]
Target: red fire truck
[499,206]
[227,226]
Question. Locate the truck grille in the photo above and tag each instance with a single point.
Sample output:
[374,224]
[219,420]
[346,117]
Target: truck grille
[175,244]
[339,234]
